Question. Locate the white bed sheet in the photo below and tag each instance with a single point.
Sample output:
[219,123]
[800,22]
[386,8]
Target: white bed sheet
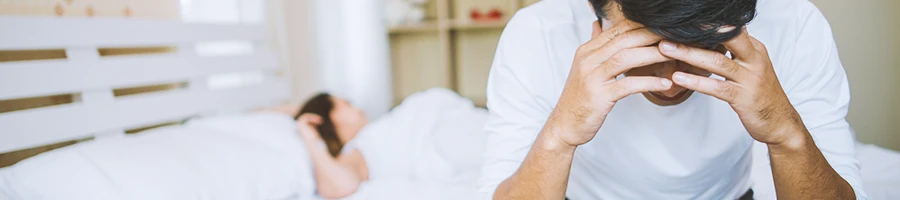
[177,162]
[880,170]
[434,135]
[429,147]
[414,190]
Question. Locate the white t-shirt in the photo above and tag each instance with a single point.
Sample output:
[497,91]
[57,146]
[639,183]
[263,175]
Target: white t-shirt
[695,150]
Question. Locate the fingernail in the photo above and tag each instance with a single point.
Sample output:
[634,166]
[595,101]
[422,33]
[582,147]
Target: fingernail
[668,46]
[666,83]
[681,78]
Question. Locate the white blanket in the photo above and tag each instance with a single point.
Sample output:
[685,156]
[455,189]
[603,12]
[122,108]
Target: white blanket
[256,156]
[880,170]
[428,147]
[434,138]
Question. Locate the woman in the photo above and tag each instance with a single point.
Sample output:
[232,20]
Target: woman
[326,124]
[421,140]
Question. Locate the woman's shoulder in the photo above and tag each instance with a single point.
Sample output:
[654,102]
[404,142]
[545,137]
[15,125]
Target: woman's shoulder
[355,160]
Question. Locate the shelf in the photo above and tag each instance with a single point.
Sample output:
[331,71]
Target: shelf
[455,25]
[448,49]
[415,28]
[478,25]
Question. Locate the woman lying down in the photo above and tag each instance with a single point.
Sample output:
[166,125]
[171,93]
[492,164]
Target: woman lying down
[432,139]
[432,136]
[326,123]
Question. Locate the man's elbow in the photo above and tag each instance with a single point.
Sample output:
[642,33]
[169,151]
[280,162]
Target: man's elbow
[338,191]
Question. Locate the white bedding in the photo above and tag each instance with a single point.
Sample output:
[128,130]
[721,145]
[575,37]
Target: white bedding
[424,139]
[428,147]
[180,162]
[880,170]
[433,140]
[415,190]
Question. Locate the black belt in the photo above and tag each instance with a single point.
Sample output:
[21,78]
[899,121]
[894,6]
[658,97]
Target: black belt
[746,196]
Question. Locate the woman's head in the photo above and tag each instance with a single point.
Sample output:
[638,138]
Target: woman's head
[340,120]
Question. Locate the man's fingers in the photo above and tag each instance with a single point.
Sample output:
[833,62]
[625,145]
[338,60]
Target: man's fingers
[723,90]
[628,59]
[635,84]
[633,39]
[709,60]
[741,47]
[619,28]
[607,34]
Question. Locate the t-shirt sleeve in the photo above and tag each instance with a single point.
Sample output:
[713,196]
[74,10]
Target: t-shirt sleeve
[820,92]
[517,113]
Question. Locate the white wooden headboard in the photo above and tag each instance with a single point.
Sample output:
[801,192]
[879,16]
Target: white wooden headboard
[85,74]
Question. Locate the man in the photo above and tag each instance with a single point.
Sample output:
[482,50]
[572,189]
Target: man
[572,128]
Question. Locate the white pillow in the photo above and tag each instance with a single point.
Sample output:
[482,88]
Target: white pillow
[258,157]
[275,130]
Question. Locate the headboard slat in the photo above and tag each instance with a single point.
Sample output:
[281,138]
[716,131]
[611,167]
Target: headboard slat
[244,77]
[21,130]
[36,78]
[24,33]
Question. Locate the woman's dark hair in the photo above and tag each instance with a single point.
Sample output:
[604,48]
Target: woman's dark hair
[687,21]
[322,105]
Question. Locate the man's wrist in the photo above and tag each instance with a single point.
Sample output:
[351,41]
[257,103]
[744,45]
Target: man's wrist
[550,138]
[797,139]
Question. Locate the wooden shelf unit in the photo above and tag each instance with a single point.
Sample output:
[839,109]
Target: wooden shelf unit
[428,26]
[449,50]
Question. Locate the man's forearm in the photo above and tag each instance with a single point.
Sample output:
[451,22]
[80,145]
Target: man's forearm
[800,171]
[544,173]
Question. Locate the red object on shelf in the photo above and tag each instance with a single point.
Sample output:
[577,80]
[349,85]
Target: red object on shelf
[495,14]
[475,14]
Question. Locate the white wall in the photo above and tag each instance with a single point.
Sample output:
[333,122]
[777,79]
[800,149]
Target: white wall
[352,47]
[867,34]
[291,26]
[334,46]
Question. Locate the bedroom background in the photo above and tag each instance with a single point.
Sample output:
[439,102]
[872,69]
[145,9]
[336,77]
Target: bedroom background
[865,30]
[375,55]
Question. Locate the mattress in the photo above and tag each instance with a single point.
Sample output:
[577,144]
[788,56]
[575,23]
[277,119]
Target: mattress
[414,190]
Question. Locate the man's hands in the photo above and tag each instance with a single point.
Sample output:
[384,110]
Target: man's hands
[751,87]
[592,90]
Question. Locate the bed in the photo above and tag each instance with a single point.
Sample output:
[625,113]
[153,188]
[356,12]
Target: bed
[203,83]
[211,147]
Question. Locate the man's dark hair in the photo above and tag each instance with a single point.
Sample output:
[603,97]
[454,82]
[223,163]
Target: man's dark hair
[687,21]
[322,105]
